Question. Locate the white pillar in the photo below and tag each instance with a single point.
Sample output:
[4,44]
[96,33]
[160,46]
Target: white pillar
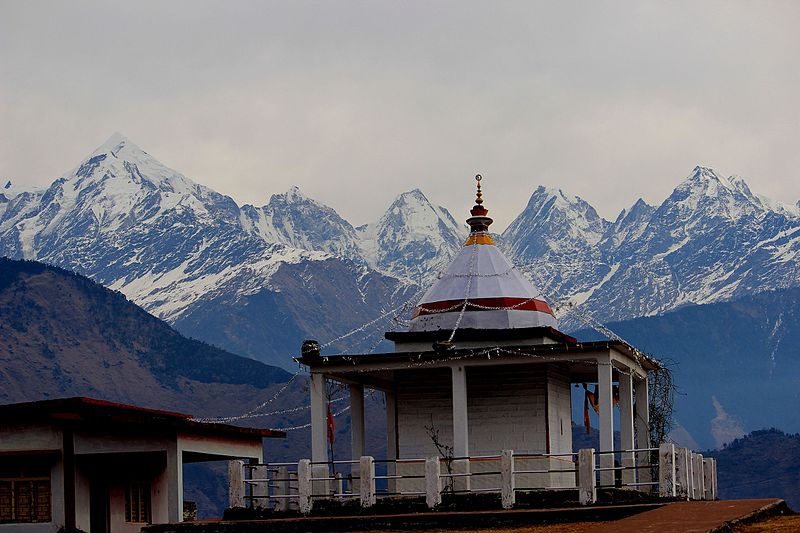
[460,428]
[587,482]
[175,482]
[357,433]
[356,421]
[606,400]
[367,485]
[282,488]
[708,475]
[699,478]
[319,432]
[235,483]
[642,426]
[304,487]
[507,492]
[260,488]
[626,426]
[319,414]
[666,470]
[460,420]
[714,491]
[683,482]
[433,482]
[392,448]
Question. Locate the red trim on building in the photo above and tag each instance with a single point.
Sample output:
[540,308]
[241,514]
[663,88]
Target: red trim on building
[81,411]
[477,304]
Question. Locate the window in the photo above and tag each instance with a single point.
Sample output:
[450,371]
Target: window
[25,499]
[137,502]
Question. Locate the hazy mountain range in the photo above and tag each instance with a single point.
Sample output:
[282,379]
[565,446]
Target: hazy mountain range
[257,280]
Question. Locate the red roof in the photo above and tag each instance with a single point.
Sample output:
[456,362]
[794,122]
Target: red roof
[84,411]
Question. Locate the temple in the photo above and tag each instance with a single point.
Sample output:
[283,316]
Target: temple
[483,369]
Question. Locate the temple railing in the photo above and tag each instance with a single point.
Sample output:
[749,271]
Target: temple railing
[666,471]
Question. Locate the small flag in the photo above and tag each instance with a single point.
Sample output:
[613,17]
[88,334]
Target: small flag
[587,423]
[331,426]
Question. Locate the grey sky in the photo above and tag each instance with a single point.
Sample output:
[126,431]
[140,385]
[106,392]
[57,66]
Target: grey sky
[358,101]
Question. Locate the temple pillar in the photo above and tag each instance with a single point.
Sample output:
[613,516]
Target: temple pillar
[642,426]
[460,428]
[605,400]
[626,433]
[319,432]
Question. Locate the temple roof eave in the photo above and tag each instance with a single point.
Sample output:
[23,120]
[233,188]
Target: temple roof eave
[546,353]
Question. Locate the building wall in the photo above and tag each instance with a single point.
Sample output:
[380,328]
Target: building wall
[507,407]
[32,438]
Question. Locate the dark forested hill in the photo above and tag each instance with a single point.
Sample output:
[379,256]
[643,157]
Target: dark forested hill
[61,334]
[765,463]
[736,364]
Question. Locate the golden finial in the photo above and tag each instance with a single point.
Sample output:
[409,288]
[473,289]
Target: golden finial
[479,194]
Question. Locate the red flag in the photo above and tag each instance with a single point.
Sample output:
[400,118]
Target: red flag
[587,423]
[331,426]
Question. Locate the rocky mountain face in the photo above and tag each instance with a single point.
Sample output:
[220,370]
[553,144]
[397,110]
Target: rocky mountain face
[257,280]
[414,239]
[181,250]
[64,335]
[712,239]
[735,363]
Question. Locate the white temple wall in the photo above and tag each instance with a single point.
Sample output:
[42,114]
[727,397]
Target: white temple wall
[507,410]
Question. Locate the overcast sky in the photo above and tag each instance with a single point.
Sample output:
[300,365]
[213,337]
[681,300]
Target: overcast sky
[356,102]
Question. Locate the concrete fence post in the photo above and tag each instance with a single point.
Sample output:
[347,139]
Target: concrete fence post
[683,479]
[462,482]
[507,492]
[304,490]
[339,486]
[666,470]
[367,485]
[714,486]
[260,488]
[692,475]
[587,479]
[282,488]
[235,484]
[700,485]
[433,482]
[707,476]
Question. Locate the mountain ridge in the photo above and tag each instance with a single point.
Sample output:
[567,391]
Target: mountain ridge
[179,249]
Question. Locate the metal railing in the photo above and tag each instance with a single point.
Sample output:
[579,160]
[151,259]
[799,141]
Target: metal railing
[671,472]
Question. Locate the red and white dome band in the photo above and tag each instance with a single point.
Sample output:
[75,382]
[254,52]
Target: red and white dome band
[483,304]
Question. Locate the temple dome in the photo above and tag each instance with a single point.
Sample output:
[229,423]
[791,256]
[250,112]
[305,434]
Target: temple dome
[497,295]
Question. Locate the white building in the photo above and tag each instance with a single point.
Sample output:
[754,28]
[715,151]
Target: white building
[104,467]
[483,368]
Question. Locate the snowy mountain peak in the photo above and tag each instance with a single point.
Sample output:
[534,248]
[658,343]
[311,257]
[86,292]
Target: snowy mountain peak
[294,193]
[413,212]
[638,210]
[116,144]
[414,238]
[7,192]
[292,196]
[296,220]
[412,197]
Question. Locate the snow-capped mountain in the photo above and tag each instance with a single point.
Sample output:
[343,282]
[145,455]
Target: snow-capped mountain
[556,238]
[711,240]
[257,280]
[171,245]
[298,221]
[413,239]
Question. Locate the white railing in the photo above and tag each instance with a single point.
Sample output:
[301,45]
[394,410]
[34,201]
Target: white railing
[676,473]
